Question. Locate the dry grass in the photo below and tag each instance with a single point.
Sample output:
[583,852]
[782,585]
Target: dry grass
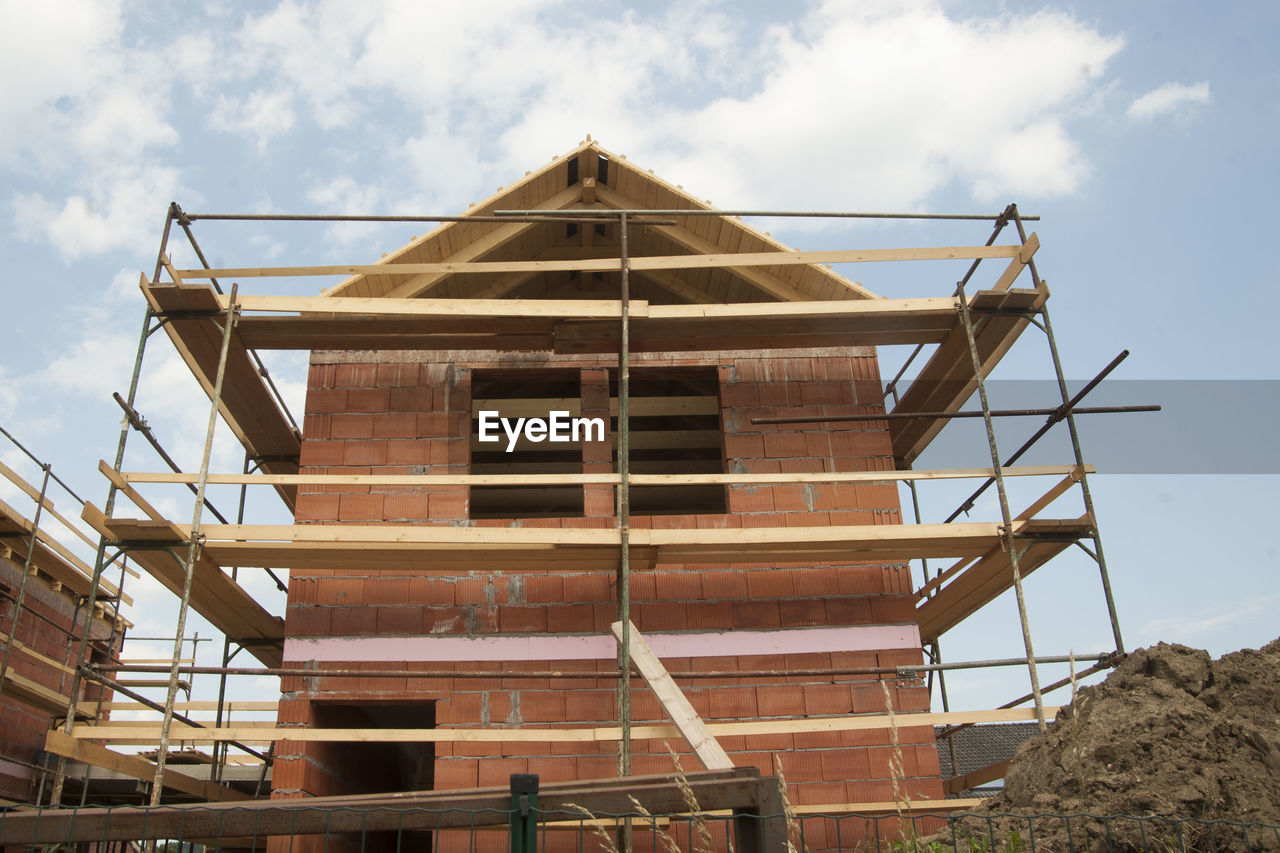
[698,819]
[607,842]
[897,777]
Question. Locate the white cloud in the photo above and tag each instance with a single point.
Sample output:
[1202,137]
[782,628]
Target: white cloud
[1169,98]
[882,105]
[117,205]
[261,114]
[90,111]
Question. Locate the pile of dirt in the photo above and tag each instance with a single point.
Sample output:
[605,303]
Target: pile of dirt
[1170,733]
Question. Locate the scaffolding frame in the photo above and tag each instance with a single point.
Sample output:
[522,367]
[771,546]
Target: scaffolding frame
[1028,306]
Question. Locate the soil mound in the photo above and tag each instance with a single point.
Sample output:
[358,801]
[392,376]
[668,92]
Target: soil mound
[1170,733]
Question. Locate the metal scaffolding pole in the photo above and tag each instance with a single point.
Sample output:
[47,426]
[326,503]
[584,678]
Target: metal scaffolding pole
[1005,514]
[624,509]
[220,749]
[193,548]
[1075,447]
[60,772]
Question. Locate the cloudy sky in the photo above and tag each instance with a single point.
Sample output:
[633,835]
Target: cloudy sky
[1144,134]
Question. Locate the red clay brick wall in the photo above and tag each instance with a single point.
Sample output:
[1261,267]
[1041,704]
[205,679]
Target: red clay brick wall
[23,727]
[405,416]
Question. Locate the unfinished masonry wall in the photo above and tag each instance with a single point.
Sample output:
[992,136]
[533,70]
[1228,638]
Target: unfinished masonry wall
[411,413]
[47,620]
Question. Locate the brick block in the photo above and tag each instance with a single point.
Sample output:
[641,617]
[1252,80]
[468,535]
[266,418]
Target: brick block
[710,615]
[792,498]
[543,706]
[730,585]
[744,446]
[306,621]
[360,507]
[320,375]
[595,586]
[368,400]
[455,773]
[448,505]
[821,700]
[544,589]
[802,611]
[339,590]
[317,453]
[316,507]
[409,400]
[405,508]
[750,499]
[757,614]
[770,583]
[522,619]
[399,620]
[732,703]
[784,445]
[848,611]
[678,586]
[407,452]
[354,621]
[371,452]
[355,375]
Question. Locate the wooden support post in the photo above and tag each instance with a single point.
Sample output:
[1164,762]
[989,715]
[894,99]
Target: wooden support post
[691,726]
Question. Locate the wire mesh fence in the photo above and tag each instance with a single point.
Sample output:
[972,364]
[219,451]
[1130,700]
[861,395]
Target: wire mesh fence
[526,829]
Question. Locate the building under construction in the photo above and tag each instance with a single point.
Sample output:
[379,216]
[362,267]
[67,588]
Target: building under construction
[594,481]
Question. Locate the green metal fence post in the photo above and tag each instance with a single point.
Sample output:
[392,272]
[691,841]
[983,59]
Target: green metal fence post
[524,813]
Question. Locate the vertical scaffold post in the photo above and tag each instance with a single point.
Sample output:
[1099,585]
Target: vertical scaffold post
[624,505]
[20,601]
[1075,446]
[100,562]
[1005,514]
[193,548]
[216,766]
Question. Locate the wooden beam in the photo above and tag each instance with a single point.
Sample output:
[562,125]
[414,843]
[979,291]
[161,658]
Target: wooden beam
[328,307]
[198,705]
[659,262]
[639,406]
[761,279]
[118,733]
[744,791]
[890,807]
[982,582]
[500,236]
[1018,264]
[46,699]
[34,493]
[50,555]
[947,380]
[75,749]
[214,595]
[981,776]
[673,284]
[43,660]
[686,719]
[130,492]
